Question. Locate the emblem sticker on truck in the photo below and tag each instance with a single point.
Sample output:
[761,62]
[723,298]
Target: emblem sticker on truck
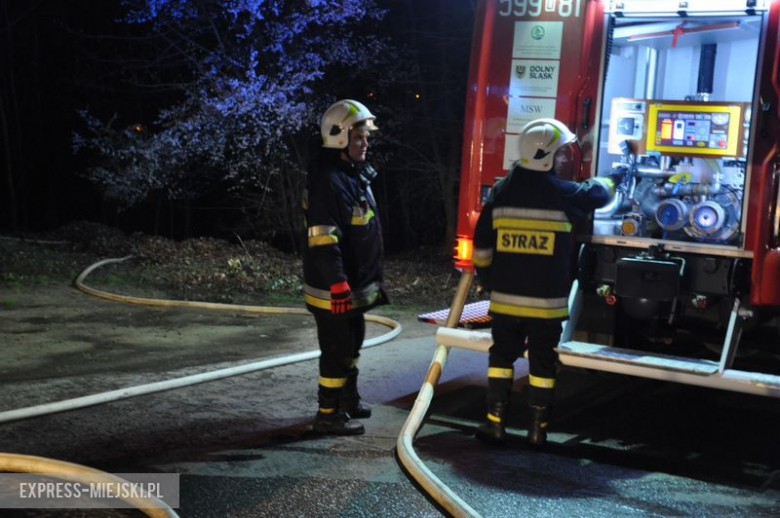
[526,241]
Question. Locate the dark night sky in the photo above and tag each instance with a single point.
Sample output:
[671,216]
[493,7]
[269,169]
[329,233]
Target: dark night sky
[48,75]
[59,57]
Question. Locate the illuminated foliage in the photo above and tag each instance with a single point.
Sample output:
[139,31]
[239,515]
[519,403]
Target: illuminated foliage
[249,84]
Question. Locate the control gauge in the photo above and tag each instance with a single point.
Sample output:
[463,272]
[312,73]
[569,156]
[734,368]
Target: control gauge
[720,118]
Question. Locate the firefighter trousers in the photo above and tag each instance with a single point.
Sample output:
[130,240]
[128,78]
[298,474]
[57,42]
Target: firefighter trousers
[510,336]
[340,340]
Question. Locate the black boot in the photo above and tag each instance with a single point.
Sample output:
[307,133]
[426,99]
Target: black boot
[537,432]
[337,423]
[493,431]
[350,398]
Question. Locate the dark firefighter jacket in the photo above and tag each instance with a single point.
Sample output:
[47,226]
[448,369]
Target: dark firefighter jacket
[344,238]
[522,242]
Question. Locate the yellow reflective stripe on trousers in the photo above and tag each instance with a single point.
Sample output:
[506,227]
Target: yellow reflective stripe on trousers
[332,382]
[532,224]
[525,311]
[323,240]
[536,381]
[327,410]
[494,418]
[496,372]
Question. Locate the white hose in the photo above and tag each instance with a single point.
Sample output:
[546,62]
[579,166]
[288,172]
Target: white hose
[16,463]
[437,489]
[148,388]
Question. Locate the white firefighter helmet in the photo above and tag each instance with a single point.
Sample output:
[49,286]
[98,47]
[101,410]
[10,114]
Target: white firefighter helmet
[339,118]
[539,139]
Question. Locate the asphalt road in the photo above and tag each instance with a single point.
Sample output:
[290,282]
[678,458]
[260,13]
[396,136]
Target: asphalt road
[244,445]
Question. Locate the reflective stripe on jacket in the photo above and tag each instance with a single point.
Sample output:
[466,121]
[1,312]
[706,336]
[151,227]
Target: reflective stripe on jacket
[523,242]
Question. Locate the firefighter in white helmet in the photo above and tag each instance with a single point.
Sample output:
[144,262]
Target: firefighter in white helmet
[343,261]
[522,254]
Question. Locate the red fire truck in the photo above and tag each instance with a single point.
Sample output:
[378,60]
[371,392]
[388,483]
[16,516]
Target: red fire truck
[683,98]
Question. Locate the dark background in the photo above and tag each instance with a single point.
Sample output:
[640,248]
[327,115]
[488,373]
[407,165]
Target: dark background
[60,57]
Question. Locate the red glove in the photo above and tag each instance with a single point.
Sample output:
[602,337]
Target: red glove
[340,298]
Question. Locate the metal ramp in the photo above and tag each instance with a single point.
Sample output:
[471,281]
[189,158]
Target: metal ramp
[473,316]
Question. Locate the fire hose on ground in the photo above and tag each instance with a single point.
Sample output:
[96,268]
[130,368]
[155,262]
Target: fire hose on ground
[438,490]
[124,393]
[434,487]
[15,463]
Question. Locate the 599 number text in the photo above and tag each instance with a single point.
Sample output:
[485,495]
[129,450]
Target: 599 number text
[564,8]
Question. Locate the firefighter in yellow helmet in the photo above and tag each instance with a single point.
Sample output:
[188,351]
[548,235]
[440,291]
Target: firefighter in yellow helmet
[522,254]
[342,261]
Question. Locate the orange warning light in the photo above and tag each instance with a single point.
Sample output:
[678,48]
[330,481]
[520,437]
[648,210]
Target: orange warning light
[463,249]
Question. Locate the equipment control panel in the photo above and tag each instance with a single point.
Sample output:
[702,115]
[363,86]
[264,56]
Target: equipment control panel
[677,128]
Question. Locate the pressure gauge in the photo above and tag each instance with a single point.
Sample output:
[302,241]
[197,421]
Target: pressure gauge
[707,217]
[720,118]
[671,214]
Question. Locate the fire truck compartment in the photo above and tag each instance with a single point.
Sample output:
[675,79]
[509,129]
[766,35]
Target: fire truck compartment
[701,274]
[653,279]
[675,133]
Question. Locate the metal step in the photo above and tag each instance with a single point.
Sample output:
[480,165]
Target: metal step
[638,358]
[677,369]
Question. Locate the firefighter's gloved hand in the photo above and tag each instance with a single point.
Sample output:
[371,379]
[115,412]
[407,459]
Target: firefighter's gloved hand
[340,298]
[618,175]
[617,179]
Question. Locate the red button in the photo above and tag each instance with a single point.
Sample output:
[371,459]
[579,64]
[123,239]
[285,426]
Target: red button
[722,143]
